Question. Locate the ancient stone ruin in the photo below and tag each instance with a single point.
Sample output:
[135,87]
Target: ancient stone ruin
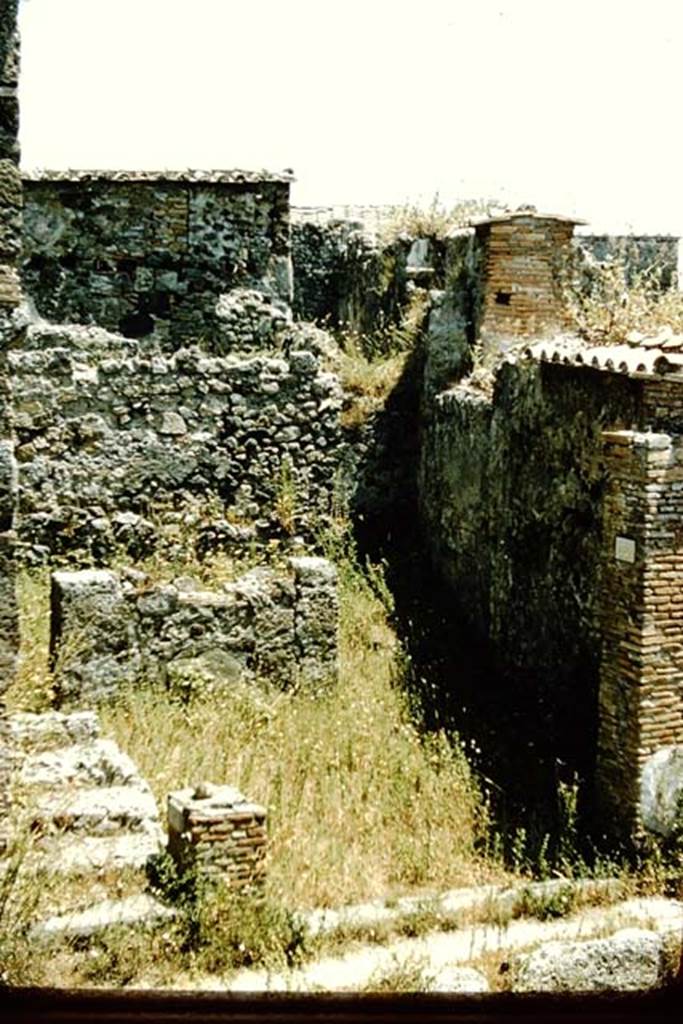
[551,501]
[154,351]
[109,631]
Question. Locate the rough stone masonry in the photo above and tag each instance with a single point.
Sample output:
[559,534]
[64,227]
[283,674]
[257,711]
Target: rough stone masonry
[143,253]
[109,631]
[105,427]
[10,330]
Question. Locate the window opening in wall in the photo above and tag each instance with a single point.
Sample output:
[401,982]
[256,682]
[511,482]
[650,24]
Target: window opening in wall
[503,298]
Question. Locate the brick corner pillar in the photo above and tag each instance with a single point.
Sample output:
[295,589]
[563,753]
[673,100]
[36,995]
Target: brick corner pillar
[641,674]
[10,297]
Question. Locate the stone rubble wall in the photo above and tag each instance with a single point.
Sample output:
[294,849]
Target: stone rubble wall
[521,502]
[346,275]
[10,332]
[105,428]
[347,279]
[110,630]
[141,253]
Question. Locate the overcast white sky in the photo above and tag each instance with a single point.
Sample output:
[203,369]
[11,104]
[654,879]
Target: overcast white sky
[574,105]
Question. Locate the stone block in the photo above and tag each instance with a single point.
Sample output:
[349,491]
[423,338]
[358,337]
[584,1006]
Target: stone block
[91,636]
[661,791]
[630,960]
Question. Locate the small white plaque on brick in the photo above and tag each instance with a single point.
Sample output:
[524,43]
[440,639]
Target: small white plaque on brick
[625,549]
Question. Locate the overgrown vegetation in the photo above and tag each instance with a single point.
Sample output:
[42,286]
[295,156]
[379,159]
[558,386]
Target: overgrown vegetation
[371,366]
[436,219]
[360,804]
[611,305]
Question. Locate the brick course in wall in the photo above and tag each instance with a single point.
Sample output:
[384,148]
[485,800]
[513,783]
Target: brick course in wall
[524,495]
[523,258]
[217,832]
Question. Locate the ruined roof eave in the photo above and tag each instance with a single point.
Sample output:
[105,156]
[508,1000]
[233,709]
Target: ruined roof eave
[191,176]
[526,215]
[641,364]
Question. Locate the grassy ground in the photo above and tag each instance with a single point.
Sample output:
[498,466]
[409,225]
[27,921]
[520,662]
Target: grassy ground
[360,805]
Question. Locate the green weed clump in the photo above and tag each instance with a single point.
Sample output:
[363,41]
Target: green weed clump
[371,365]
[436,219]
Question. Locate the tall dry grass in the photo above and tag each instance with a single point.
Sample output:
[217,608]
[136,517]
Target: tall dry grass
[360,805]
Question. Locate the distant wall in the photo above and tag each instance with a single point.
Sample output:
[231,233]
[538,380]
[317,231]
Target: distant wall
[346,278]
[140,253]
[641,254]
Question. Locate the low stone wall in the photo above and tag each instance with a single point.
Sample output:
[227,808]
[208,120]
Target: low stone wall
[105,429]
[109,631]
[145,253]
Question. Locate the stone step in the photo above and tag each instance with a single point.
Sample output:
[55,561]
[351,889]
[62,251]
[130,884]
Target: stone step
[81,855]
[136,911]
[99,811]
[51,729]
[96,763]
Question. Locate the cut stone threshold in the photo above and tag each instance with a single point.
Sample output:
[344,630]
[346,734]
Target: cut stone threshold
[497,900]
[135,911]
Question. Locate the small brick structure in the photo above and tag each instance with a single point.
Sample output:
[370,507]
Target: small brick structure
[218,832]
[523,256]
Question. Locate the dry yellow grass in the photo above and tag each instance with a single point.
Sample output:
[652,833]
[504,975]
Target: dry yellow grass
[360,805]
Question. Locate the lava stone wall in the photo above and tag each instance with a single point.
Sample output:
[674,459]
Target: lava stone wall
[10,331]
[347,279]
[105,427]
[145,253]
[109,631]
[521,503]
